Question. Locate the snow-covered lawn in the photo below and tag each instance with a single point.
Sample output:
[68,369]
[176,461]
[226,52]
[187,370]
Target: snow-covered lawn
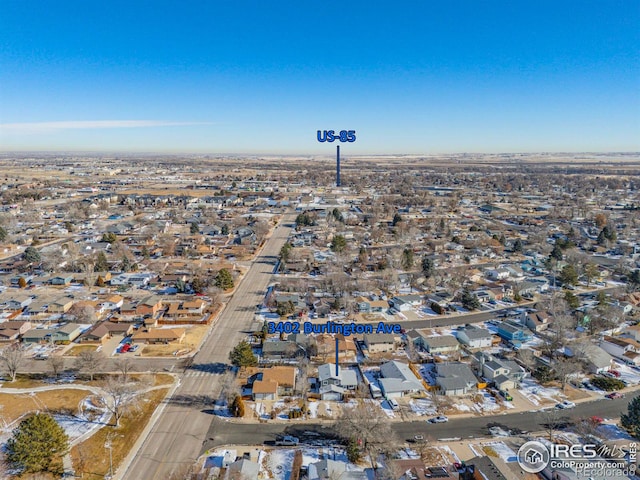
[500,448]
[313,409]
[423,407]
[537,394]
[488,404]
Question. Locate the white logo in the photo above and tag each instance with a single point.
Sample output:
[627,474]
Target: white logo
[533,457]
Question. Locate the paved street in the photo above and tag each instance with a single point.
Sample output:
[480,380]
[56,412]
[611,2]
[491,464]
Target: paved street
[176,439]
[229,433]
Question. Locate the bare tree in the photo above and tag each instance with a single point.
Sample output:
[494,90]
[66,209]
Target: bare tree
[551,419]
[12,358]
[56,364]
[89,361]
[83,313]
[228,386]
[120,398]
[371,430]
[564,367]
[125,366]
[527,357]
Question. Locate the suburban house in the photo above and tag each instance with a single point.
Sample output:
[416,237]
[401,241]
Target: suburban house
[398,380]
[441,344]
[67,333]
[275,349]
[505,374]
[402,303]
[326,347]
[243,468]
[149,305]
[474,337]
[537,322]
[61,280]
[269,383]
[37,335]
[624,349]
[597,360]
[21,326]
[332,386]
[159,335]
[61,305]
[455,378]
[379,342]
[328,469]
[191,308]
[112,302]
[367,305]
[512,333]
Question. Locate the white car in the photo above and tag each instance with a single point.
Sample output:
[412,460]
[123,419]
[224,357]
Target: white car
[565,404]
[439,419]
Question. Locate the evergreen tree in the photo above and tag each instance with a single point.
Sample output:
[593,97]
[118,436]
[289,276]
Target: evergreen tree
[631,420]
[193,229]
[102,265]
[396,220]
[568,275]
[199,285]
[109,237]
[556,253]
[427,267]
[3,234]
[353,452]
[224,280]
[285,252]
[634,277]
[237,407]
[224,230]
[338,243]
[242,355]
[38,445]
[125,265]
[517,245]
[31,255]
[469,300]
[407,258]
[572,300]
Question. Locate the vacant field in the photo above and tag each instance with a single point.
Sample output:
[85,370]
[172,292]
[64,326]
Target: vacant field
[14,406]
[193,337]
[91,458]
[78,349]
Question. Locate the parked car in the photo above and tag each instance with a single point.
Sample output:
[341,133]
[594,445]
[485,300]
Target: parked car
[565,404]
[506,395]
[439,419]
[418,438]
[393,403]
[287,440]
[615,373]
[614,395]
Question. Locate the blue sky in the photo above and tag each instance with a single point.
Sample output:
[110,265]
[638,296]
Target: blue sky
[262,77]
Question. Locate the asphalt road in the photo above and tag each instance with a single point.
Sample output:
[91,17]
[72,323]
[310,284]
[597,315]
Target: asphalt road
[223,432]
[176,439]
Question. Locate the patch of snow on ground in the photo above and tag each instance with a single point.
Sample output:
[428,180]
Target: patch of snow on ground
[313,409]
[387,409]
[423,407]
[536,393]
[462,407]
[488,404]
[503,451]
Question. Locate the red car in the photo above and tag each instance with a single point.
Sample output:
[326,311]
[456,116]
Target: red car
[615,373]
[596,420]
[614,395]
